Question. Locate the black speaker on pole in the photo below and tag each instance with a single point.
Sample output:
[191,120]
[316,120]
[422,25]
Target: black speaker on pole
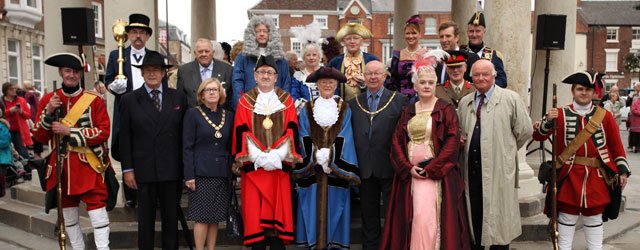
[78,26]
[550,31]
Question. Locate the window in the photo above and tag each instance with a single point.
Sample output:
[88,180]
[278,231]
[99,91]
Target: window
[322,20]
[296,15]
[430,26]
[13,55]
[275,19]
[32,3]
[390,25]
[355,21]
[611,60]
[612,34]
[635,33]
[37,66]
[97,18]
[296,46]
[387,51]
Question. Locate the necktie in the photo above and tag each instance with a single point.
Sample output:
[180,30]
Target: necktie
[203,74]
[373,102]
[481,96]
[138,58]
[155,96]
[457,90]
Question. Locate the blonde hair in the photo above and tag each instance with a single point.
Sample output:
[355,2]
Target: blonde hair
[27,85]
[223,94]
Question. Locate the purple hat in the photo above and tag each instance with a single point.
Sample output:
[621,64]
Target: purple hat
[415,19]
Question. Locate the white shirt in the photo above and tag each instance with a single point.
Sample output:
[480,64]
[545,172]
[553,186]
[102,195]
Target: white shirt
[136,58]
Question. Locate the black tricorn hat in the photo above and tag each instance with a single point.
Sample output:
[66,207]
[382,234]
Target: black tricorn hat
[137,20]
[326,73]
[153,58]
[587,79]
[65,60]
[477,19]
[456,58]
[266,61]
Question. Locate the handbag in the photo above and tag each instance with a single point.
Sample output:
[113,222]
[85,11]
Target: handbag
[235,227]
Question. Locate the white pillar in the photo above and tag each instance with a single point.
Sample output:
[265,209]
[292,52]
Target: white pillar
[403,9]
[203,20]
[461,12]
[508,30]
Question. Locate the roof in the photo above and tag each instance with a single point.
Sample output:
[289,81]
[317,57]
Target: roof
[620,13]
[295,5]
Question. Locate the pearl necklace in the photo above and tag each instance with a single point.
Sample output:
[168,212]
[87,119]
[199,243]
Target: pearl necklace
[413,53]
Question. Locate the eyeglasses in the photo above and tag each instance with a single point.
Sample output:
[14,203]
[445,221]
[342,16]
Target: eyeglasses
[264,72]
[211,90]
[378,74]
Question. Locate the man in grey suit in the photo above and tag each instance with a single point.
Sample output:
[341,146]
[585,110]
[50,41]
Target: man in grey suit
[374,117]
[191,74]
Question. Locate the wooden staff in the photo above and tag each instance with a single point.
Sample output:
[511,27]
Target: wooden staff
[554,175]
[57,139]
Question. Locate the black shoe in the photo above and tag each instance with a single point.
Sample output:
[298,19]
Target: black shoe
[130,203]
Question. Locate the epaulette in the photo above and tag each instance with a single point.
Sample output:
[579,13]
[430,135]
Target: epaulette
[499,55]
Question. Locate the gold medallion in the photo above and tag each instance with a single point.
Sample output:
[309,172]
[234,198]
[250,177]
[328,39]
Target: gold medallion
[267,123]
[218,134]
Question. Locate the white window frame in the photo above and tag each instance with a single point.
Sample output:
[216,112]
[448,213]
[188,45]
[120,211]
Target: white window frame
[16,54]
[293,42]
[387,51]
[37,60]
[97,19]
[295,15]
[276,19]
[635,30]
[430,30]
[617,34]
[611,56]
[390,25]
[325,24]
[430,43]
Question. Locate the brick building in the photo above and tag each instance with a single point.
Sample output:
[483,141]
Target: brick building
[612,31]
[377,15]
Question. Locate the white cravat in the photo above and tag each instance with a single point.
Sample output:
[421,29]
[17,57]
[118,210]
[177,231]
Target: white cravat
[325,111]
[136,58]
[582,109]
[267,103]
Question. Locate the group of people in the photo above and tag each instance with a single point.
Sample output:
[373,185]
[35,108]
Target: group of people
[429,143]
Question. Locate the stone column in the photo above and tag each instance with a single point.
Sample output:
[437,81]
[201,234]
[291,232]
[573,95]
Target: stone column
[508,30]
[53,40]
[461,11]
[114,9]
[203,20]
[403,9]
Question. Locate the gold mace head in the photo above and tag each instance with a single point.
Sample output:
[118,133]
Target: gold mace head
[119,33]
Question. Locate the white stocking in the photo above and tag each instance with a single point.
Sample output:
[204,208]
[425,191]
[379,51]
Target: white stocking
[72,227]
[593,231]
[566,229]
[100,224]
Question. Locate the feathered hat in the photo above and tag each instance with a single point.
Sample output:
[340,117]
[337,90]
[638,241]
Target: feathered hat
[312,33]
[429,60]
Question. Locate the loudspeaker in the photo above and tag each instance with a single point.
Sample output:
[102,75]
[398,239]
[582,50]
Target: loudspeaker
[550,31]
[78,26]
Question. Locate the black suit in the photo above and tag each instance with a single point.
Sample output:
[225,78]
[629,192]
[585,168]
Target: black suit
[151,145]
[189,79]
[374,161]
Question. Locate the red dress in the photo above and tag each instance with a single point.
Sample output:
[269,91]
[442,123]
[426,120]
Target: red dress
[266,195]
[454,229]
[584,190]
[92,131]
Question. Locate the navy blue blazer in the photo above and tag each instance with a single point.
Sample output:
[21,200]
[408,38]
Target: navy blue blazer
[203,154]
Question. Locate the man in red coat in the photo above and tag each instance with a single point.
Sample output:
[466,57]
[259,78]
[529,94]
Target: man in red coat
[86,156]
[594,176]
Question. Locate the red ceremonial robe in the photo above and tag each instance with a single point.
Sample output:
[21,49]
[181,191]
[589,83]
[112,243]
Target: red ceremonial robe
[91,130]
[266,195]
[584,190]
[453,226]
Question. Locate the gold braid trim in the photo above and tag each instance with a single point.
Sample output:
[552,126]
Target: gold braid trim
[377,111]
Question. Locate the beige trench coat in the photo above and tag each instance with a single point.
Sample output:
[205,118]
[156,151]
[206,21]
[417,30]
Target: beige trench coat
[506,126]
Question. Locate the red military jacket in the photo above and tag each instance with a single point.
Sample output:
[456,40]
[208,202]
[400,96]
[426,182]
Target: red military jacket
[584,189]
[91,130]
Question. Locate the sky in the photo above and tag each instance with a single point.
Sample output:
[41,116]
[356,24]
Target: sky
[231,16]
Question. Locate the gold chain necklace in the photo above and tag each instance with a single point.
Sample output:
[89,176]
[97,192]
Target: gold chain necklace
[217,134]
[372,114]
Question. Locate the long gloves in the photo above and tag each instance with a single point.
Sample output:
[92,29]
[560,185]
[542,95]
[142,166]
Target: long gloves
[322,158]
[118,86]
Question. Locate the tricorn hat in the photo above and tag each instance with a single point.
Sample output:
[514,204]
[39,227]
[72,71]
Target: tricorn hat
[587,79]
[153,58]
[353,28]
[137,20]
[477,19]
[267,60]
[456,58]
[326,73]
[66,60]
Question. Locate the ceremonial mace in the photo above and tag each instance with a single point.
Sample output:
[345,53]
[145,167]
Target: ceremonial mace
[120,35]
